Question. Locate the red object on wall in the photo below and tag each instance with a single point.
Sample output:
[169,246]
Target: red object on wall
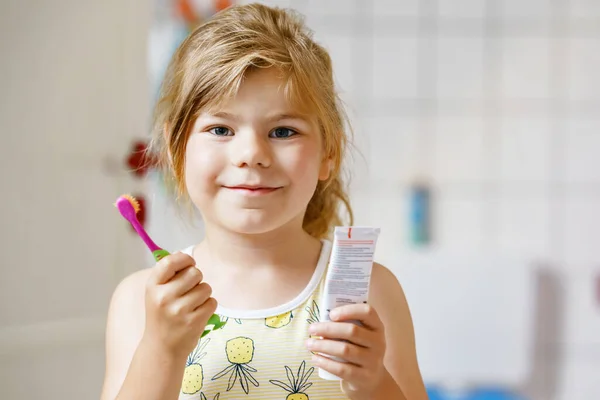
[139,159]
[187,12]
[220,5]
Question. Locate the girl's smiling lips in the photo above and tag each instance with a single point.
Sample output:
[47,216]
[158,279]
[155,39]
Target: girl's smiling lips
[253,190]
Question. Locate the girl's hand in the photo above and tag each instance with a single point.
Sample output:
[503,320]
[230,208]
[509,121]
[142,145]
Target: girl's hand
[363,348]
[178,305]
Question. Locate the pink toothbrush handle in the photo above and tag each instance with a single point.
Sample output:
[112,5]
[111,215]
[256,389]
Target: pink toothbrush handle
[138,228]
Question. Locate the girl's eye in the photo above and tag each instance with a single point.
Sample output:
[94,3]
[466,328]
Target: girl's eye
[220,131]
[282,133]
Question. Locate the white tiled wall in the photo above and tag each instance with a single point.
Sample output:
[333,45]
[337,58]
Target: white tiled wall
[73,96]
[582,141]
[497,105]
[396,8]
[584,61]
[394,66]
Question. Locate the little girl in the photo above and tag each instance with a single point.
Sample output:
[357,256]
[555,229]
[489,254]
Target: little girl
[249,129]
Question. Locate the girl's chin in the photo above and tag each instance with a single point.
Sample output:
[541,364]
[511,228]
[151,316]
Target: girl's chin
[253,221]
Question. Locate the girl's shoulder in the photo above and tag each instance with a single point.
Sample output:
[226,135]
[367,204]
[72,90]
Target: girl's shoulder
[130,292]
[124,328]
[127,305]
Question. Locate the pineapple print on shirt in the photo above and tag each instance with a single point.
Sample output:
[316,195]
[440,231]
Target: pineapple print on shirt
[226,319]
[214,323]
[313,313]
[193,375]
[313,316]
[297,384]
[240,352]
[279,321]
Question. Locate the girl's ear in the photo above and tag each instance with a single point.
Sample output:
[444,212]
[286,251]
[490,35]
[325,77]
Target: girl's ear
[325,170]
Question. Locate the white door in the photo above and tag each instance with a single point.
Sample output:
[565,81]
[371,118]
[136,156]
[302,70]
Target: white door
[74,93]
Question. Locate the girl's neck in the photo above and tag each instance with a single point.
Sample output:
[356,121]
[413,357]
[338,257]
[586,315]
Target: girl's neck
[275,249]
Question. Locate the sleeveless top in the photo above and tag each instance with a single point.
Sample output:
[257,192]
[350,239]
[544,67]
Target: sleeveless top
[261,354]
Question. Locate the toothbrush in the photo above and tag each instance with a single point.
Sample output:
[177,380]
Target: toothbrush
[128,206]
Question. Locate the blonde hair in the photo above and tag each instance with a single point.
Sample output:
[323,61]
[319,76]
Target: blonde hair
[208,68]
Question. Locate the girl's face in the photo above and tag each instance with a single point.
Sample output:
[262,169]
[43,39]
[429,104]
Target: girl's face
[253,165]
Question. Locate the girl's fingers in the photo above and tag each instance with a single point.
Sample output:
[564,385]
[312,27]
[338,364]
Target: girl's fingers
[169,266]
[185,280]
[343,331]
[189,302]
[346,371]
[347,351]
[364,313]
[197,296]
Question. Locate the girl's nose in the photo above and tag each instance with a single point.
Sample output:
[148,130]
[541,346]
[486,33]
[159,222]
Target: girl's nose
[251,150]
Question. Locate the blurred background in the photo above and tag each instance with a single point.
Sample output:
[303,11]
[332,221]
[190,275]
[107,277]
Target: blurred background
[477,152]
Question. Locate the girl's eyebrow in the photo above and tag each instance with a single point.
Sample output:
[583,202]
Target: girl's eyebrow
[281,116]
[269,118]
[224,115]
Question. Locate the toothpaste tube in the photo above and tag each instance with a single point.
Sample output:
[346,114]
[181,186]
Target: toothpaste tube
[349,273]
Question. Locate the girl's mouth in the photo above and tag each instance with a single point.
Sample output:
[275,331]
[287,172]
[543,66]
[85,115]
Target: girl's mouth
[248,190]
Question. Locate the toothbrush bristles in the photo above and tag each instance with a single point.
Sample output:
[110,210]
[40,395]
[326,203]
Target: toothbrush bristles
[134,203]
